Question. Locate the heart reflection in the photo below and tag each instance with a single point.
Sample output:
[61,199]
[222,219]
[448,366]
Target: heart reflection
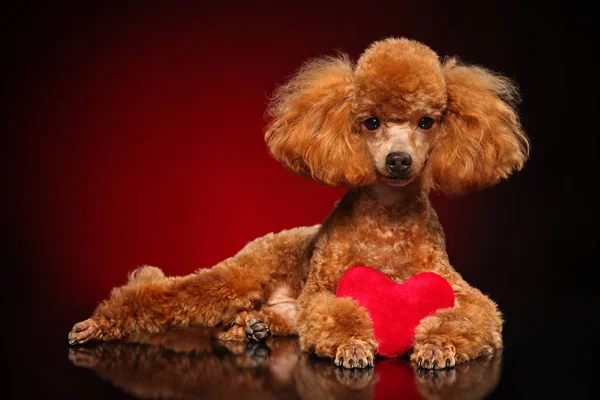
[189,364]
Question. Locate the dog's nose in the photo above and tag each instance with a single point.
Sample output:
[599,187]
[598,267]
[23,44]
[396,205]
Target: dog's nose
[398,162]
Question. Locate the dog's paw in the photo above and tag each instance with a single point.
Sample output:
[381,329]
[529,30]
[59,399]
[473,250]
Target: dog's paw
[354,356]
[256,330]
[83,332]
[433,356]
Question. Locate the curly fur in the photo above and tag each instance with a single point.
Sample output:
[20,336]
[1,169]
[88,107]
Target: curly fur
[482,140]
[311,132]
[288,280]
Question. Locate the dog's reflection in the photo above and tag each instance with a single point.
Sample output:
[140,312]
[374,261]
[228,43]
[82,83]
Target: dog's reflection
[188,364]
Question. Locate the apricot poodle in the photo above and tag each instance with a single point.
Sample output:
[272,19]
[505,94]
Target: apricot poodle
[391,128]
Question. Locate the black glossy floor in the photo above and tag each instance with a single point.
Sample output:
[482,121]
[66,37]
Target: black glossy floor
[188,364]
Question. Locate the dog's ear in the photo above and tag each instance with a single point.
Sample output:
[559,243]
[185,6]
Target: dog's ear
[481,139]
[311,127]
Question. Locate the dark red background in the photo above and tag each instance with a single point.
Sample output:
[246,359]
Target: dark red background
[133,135]
[147,129]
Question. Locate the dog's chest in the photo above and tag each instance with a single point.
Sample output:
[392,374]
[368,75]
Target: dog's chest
[395,251]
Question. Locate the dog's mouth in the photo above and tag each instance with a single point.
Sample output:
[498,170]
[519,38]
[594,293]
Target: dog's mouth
[396,180]
[399,180]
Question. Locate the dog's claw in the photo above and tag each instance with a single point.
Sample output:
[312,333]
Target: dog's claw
[352,356]
[71,339]
[430,356]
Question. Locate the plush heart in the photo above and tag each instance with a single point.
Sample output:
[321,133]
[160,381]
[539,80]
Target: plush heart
[396,309]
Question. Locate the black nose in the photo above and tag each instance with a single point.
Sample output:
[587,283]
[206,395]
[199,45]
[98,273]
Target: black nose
[397,163]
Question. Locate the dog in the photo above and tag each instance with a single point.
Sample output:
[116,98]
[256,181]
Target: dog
[399,123]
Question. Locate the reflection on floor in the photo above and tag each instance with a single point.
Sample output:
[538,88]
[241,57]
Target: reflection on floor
[188,364]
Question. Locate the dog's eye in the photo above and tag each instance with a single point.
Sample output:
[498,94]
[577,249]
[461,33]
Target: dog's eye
[372,123]
[426,123]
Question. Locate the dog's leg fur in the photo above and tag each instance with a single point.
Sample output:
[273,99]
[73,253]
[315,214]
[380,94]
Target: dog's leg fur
[470,329]
[151,302]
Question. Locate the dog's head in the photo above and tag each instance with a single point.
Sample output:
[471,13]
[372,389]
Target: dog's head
[396,115]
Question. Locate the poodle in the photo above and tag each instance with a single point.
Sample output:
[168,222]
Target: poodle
[391,128]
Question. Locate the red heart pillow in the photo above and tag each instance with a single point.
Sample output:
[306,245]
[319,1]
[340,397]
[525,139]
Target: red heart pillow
[396,309]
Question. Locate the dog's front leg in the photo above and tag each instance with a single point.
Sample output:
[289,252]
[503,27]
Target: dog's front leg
[337,328]
[334,327]
[470,329]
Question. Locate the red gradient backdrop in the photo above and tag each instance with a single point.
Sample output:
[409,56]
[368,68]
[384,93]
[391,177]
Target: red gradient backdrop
[145,134]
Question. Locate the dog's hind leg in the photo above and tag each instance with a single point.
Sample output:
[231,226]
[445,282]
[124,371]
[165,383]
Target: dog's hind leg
[152,302]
